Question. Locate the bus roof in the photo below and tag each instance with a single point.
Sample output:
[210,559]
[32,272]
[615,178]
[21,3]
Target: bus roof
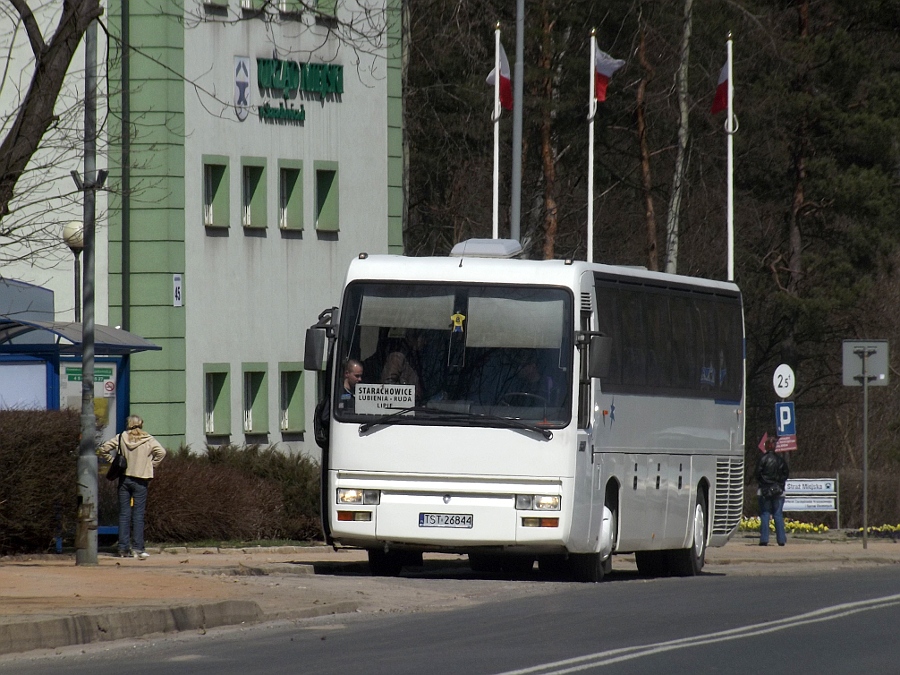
[505,271]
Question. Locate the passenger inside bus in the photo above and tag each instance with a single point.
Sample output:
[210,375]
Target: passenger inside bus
[404,361]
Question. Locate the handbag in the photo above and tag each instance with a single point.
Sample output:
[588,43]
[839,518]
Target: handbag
[772,491]
[117,464]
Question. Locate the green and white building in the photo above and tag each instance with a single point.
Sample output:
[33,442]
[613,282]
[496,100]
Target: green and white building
[255,148]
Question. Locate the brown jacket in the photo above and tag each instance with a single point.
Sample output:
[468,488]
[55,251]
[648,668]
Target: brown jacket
[143,452]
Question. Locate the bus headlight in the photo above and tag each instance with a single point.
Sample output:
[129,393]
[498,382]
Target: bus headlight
[356,496]
[537,502]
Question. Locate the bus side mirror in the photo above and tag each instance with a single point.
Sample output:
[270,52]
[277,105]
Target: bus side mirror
[600,355]
[315,352]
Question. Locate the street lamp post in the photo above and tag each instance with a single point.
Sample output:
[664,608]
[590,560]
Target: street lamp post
[73,236]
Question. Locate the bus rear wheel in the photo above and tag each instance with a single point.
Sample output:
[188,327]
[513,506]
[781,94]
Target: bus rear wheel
[688,562]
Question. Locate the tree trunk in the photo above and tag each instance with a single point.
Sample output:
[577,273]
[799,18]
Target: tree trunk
[798,160]
[646,177]
[548,149]
[674,213]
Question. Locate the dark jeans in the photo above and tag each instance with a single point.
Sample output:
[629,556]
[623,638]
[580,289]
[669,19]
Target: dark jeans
[132,504]
[771,507]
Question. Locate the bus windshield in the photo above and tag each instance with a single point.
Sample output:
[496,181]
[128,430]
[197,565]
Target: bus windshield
[476,353]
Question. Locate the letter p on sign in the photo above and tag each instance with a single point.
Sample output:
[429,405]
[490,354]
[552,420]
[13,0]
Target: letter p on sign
[784,417]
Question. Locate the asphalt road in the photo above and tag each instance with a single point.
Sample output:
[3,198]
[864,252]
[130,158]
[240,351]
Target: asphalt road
[821,622]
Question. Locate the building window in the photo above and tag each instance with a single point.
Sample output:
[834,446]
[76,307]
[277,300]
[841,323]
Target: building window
[327,8]
[217,404]
[290,195]
[327,197]
[256,399]
[290,7]
[215,191]
[253,193]
[291,407]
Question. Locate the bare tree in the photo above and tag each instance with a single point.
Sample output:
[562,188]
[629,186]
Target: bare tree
[646,176]
[674,212]
[37,123]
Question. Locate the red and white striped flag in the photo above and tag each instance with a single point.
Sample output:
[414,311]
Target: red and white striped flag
[506,93]
[720,101]
[604,68]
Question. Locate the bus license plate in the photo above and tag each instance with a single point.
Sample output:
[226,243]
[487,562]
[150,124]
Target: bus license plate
[445,520]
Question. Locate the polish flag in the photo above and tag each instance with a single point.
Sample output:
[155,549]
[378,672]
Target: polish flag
[720,101]
[506,94]
[604,67]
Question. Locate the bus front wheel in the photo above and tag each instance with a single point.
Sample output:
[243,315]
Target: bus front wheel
[587,567]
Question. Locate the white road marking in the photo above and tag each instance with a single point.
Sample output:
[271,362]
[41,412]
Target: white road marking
[612,656]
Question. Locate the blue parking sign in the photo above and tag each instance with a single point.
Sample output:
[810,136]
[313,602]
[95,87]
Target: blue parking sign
[785,421]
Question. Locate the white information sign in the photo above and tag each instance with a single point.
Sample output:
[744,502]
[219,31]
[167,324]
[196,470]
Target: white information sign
[806,485]
[803,503]
[783,380]
[383,399]
[177,296]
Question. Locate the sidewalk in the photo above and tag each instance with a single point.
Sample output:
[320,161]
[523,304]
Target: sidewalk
[47,601]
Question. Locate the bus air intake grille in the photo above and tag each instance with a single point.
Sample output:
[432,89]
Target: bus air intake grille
[586,307]
[729,495]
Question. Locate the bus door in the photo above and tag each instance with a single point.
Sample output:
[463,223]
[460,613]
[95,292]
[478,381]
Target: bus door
[589,465]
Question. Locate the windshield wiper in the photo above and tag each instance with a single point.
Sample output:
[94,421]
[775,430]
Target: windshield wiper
[390,418]
[438,413]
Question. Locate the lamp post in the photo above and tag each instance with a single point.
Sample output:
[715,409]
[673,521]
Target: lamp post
[73,236]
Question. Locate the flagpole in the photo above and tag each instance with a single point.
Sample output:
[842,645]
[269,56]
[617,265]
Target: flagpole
[729,133]
[592,111]
[496,119]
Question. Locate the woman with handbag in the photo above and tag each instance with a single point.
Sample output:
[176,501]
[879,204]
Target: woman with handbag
[143,454]
[771,476]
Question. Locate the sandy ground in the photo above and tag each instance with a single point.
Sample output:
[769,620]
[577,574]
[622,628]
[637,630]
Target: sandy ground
[292,581]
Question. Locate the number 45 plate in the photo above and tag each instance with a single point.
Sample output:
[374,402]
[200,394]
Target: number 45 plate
[463,520]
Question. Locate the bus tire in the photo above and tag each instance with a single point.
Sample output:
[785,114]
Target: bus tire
[587,568]
[384,563]
[688,562]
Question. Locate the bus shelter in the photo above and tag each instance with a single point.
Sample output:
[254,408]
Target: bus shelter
[40,367]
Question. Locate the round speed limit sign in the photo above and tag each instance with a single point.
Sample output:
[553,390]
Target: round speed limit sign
[783,380]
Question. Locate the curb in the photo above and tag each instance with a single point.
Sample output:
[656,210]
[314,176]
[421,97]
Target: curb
[53,632]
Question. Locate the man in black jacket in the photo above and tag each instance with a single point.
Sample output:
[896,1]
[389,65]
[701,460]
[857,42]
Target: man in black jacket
[771,475]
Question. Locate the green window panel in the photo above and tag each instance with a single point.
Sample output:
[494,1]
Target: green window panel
[215,191]
[326,7]
[217,404]
[290,195]
[255,399]
[293,7]
[292,414]
[253,5]
[253,193]
[327,197]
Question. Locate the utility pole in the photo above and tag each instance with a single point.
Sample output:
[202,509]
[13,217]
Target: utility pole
[86,466]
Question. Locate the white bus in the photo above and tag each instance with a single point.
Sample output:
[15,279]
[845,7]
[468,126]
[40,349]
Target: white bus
[517,410]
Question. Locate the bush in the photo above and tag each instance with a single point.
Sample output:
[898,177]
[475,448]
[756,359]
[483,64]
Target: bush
[234,493]
[231,493]
[38,491]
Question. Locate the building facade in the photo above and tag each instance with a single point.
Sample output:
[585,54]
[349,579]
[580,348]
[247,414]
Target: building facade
[255,149]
